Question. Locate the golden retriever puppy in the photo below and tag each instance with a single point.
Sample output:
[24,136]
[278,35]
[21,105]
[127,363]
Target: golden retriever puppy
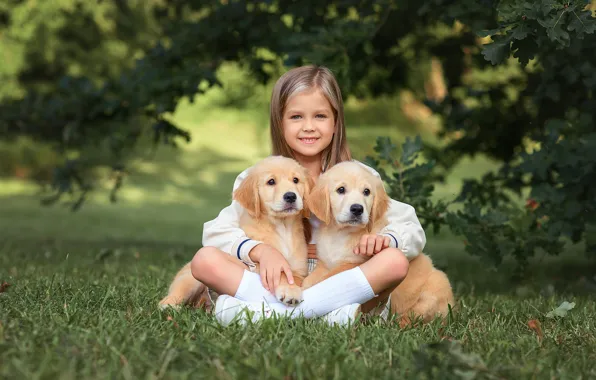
[273,198]
[351,201]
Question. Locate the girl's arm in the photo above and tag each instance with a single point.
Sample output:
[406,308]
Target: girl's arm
[224,232]
[404,229]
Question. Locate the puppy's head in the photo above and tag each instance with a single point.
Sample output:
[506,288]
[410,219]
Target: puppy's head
[275,186]
[348,195]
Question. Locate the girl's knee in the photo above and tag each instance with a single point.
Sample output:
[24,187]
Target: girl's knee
[397,264]
[204,261]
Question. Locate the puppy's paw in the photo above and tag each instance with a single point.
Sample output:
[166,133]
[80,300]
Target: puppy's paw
[290,295]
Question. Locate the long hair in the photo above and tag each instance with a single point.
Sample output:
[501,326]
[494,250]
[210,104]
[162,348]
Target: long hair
[306,78]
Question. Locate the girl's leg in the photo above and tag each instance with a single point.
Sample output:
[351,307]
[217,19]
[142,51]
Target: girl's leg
[218,270]
[366,284]
[227,275]
[384,271]
[377,276]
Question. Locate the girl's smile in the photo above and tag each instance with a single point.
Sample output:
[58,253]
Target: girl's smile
[309,140]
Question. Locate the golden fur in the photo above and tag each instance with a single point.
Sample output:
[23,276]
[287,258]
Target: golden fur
[268,218]
[424,293]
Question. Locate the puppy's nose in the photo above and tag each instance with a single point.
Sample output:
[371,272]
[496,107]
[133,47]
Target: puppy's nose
[356,209]
[290,197]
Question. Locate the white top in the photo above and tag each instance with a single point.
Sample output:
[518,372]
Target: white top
[224,232]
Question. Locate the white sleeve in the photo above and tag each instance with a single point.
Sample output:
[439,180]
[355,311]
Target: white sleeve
[224,232]
[404,228]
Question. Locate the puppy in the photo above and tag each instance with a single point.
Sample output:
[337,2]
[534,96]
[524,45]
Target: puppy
[273,198]
[350,201]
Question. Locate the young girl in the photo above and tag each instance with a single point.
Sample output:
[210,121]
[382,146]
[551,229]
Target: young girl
[307,124]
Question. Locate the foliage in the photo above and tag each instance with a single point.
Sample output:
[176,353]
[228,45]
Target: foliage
[537,119]
[549,103]
[410,181]
[491,233]
[520,77]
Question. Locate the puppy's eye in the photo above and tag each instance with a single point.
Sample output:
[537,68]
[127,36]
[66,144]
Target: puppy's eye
[296,180]
[366,192]
[341,190]
[271,182]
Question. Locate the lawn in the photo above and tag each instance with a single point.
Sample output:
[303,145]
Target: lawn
[82,288]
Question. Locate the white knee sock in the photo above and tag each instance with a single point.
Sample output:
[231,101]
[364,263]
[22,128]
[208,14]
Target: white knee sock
[342,289]
[251,289]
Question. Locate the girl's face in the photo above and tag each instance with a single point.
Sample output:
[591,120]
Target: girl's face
[308,123]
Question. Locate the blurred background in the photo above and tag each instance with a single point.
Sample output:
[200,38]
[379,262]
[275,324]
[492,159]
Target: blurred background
[124,123]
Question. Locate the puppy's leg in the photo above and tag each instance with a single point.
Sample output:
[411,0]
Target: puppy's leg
[315,276]
[184,289]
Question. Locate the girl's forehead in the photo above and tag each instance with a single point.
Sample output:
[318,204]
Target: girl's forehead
[308,97]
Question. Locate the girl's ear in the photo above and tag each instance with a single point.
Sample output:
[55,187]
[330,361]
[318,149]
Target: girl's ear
[318,202]
[380,205]
[247,194]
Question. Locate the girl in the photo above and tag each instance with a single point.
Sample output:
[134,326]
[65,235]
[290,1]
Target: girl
[307,124]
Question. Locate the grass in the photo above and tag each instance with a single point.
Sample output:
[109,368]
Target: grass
[84,286]
[75,310]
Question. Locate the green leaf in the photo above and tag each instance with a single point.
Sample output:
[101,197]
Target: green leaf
[524,50]
[496,52]
[521,31]
[562,310]
[582,23]
[554,27]
[558,34]
[385,148]
[410,150]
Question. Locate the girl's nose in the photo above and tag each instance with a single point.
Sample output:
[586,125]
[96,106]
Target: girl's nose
[307,126]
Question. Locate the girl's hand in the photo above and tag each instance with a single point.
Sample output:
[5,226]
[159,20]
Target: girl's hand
[272,263]
[372,244]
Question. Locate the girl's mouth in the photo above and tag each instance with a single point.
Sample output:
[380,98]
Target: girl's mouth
[309,140]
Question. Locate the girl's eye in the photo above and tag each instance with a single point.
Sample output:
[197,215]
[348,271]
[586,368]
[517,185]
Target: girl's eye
[321,116]
[294,117]
[296,180]
[366,192]
[271,182]
[341,190]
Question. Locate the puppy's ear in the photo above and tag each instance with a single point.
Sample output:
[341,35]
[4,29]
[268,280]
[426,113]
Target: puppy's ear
[309,184]
[247,194]
[380,205]
[319,203]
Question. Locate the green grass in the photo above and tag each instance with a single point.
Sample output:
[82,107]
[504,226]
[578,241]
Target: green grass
[84,286]
[75,311]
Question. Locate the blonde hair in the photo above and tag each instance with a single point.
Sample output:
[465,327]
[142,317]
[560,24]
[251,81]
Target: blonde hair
[307,78]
